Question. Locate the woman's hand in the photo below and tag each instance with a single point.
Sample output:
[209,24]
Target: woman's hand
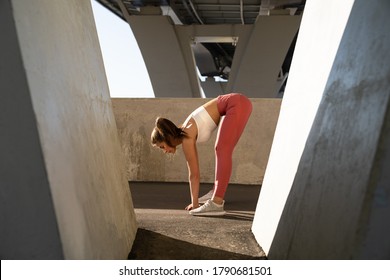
[190,207]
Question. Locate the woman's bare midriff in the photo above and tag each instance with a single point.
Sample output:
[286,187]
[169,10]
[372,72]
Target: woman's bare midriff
[212,108]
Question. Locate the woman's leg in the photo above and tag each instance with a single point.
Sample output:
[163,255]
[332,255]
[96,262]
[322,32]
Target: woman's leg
[236,109]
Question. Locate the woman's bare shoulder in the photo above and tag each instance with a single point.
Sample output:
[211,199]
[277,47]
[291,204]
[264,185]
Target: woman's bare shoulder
[190,128]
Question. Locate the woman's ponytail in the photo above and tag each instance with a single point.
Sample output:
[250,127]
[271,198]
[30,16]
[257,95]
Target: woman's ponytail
[165,131]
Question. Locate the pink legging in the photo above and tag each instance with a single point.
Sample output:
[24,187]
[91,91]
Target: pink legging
[236,108]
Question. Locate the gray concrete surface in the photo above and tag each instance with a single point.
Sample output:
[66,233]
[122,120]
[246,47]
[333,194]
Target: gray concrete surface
[64,193]
[28,224]
[338,203]
[301,100]
[167,231]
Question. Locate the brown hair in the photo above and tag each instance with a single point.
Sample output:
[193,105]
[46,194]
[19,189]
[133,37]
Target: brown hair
[166,131]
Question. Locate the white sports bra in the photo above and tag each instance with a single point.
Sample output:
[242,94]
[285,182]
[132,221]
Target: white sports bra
[204,122]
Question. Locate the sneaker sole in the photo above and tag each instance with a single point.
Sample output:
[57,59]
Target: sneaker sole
[204,201]
[212,213]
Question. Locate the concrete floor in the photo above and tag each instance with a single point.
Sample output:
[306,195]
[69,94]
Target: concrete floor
[167,231]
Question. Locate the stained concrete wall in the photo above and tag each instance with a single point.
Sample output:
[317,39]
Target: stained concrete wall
[136,118]
[333,202]
[64,193]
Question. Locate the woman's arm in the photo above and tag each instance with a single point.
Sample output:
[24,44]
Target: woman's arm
[191,154]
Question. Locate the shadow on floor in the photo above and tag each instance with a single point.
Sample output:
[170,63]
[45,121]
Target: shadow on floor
[149,245]
[167,231]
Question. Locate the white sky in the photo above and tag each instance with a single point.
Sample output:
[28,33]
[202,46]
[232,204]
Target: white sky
[125,68]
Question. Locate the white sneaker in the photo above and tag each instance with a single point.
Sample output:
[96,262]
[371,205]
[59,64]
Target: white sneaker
[207,196]
[210,208]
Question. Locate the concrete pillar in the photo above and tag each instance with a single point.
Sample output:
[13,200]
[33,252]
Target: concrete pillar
[325,191]
[29,228]
[64,192]
[170,63]
[259,57]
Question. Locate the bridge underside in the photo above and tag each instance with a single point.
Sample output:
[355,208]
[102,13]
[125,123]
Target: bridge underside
[206,48]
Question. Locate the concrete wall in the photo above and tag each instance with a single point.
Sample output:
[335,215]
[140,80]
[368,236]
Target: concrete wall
[64,193]
[135,120]
[332,201]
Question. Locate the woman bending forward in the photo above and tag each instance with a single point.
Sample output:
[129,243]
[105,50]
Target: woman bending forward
[197,128]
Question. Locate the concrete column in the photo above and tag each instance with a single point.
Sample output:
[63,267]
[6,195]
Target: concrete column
[169,61]
[325,191]
[259,57]
[29,228]
[64,192]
